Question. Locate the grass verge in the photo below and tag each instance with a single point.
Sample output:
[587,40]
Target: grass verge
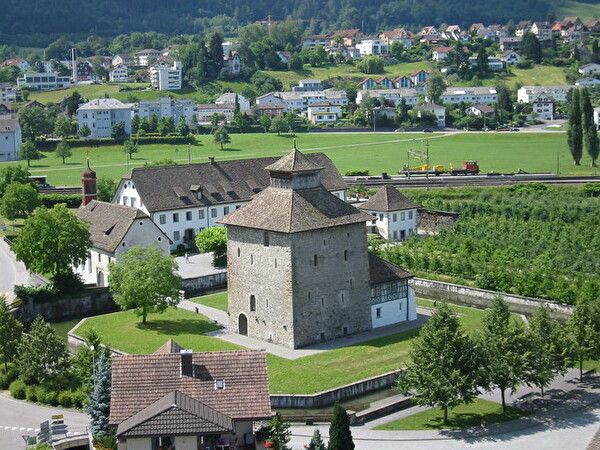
[217,300]
[464,416]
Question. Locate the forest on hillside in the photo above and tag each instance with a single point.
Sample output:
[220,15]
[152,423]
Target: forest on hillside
[42,21]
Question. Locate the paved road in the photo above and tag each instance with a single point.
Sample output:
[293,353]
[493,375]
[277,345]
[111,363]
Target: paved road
[18,418]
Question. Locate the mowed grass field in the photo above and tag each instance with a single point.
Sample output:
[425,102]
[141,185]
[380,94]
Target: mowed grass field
[375,152]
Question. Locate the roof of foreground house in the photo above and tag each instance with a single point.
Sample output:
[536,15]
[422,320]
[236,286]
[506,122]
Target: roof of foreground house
[145,386]
[388,199]
[382,271]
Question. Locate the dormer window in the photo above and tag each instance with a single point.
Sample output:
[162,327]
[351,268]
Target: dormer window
[219,384]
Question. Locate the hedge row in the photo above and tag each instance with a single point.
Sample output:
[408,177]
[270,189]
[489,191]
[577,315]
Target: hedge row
[41,394]
[39,294]
[176,140]
[71,200]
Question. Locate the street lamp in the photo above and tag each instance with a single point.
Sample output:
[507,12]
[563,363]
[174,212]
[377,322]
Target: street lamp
[92,348]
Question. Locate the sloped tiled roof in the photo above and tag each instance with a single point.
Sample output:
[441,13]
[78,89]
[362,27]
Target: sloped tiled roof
[293,211]
[109,223]
[175,414]
[8,124]
[168,187]
[382,271]
[169,347]
[387,199]
[294,161]
[139,381]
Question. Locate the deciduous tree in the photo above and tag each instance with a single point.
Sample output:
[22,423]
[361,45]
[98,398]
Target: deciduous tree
[19,201]
[446,366]
[584,332]
[144,279]
[63,127]
[183,129]
[29,152]
[105,188]
[12,174]
[11,331]
[214,239]
[221,137]
[130,147]
[63,150]
[52,241]
[435,87]
[279,125]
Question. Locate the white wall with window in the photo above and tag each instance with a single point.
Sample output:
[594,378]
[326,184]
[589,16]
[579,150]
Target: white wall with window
[391,303]
[395,225]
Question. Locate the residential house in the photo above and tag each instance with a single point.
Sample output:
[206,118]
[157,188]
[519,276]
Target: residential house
[232,62]
[101,114]
[309,249]
[402,82]
[349,37]
[419,77]
[323,113]
[233,97]
[185,199]
[166,78]
[7,93]
[6,108]
[392,96]
[147,56]
[597,117]
[494,63]
[437,110]
[481,110]
[473,94]
[118,74]
[590,69]
[510,43]
[476,27]
[394,214]
[371,46]
[312,42]
[452,32]
[22,64]
[166,107]
[205,112]
[84,71]
[405,37]
[440,53]
[177,398]
[272,110]
[382,82]
[543,106]
[10,138]
[272,100]
[575,33]
[122,59]
[44,81]
[33,104]
[510,57]
[114,229]
[527,94]
[593,26]
[302,100]
[284,56]
[542,30]
[523,27]
[590,82]
[308,85]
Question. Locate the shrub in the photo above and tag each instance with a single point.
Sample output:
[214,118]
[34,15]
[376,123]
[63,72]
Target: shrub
[355,173]
[39,294]
[32,394]
[71,200]
[65,398]
[80,398]
[6,378]
[17,389]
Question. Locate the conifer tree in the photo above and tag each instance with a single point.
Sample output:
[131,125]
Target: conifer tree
[590,133]
[575,132]
[99,404]
[316,443]
[340,436]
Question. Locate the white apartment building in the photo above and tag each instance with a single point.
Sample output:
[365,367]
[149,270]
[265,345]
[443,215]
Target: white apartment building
[371,46]
[101,114]
[395,96]
[10,138]
[324,113]
[166,78]
[527,94]
[302,100]
[7,93]
[166,107]
[118,74]
[231,97]
[477,94]
[44,81]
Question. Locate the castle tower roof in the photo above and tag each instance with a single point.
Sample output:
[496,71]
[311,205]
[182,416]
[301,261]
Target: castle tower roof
[388,199]
[293,162]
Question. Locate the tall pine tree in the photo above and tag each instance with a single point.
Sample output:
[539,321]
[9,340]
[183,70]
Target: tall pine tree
[340,436]
[215,54]
[99,405]
[575,132]
[590,133]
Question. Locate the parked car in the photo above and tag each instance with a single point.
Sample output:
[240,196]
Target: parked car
[399,130]
[427,130]
[503,129]
[515,129]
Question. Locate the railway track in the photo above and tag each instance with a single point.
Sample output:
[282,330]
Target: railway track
[421,182]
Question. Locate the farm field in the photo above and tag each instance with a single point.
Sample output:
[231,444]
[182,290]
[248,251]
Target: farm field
[376,152]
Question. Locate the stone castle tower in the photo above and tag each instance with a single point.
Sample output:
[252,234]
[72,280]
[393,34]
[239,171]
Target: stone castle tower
[88,185]
[298,268]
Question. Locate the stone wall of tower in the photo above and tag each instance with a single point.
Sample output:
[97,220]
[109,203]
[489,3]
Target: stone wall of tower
[295,302]
[265,272]
[331,298]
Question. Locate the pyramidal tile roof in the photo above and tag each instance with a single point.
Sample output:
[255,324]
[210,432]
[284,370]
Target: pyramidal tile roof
[294,161]
[388,199]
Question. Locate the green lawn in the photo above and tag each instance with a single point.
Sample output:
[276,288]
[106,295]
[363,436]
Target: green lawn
[88,91]
[376,152]
[464,416]
[125,331]
[217,300]
[537,75]
[584,10]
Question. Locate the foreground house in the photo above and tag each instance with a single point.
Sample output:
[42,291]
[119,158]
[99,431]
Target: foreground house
[175,398]
[185,199]
[308,248]
[10,138]
[114,229]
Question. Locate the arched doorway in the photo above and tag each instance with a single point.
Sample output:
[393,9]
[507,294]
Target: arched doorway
[100,280]
[243,325]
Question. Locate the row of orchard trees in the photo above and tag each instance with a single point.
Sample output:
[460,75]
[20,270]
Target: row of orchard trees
[450,368]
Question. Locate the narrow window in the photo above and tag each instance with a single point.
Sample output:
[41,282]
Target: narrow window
[345,255]
[267,303]
[226,210]
[345,330]
[378,313]
[322,302]
[276,263]
[251,259]
[322,336]
[239,252]
[252,303]
[175,217]
[188,215]
[201,214]
[266,238]
[315,260]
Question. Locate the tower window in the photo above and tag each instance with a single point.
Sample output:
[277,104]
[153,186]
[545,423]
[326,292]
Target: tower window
[266,238]
[239,252]
[345,255]
[315,260]
[276,263]
[252,303]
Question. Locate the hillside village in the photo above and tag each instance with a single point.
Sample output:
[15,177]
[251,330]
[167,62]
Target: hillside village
[310,272]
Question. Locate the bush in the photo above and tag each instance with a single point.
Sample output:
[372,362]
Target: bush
[65,399]
[80,398]
[32,393]
[39,294]
[356,173]
[17,389]
[71,200]
[7,377]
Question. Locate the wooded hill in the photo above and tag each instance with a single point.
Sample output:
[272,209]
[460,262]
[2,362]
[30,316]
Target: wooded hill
[42,21]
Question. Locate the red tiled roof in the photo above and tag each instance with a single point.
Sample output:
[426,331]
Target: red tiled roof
[140,380]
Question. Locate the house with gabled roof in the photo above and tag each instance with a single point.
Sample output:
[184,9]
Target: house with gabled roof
[349,37]
[10,138]
[403,81]
[188,400]
[589,69]
[510,57]
[394,214]
[308,248]
[187,198]
[143,57]
[114,229]
[419,76]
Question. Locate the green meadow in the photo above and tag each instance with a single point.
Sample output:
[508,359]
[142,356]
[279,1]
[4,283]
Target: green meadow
[375,152]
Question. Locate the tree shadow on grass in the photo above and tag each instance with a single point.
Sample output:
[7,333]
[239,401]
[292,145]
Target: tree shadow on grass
[462,420]
[178,327]
[230,149]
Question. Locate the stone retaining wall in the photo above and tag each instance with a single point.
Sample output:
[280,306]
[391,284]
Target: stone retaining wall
[195,286]
[481,298]
[329,397]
